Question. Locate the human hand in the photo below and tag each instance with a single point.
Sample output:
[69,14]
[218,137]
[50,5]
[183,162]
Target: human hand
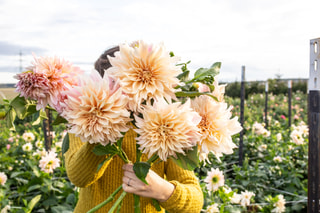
[157,188]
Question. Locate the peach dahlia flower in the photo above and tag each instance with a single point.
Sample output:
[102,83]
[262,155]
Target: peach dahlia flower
[167,129]
[145,72]
[216,127]
[46,80]
[96,109]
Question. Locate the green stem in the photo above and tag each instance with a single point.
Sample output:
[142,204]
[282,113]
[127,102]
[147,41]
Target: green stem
[152,159]
[115,205]
[109,199]
[136,203]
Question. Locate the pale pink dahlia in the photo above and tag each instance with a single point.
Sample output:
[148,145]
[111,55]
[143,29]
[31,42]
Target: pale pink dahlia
[167,129]
[34,86]
[46,80]
[214,180]
[49,162]
[145,72]
[96,109]
[216,127]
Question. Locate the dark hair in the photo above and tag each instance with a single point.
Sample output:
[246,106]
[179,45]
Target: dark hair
[102,62]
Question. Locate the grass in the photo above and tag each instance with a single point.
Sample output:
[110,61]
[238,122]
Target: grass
[7,93]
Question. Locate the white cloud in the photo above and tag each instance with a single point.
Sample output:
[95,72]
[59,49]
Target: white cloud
[268,37]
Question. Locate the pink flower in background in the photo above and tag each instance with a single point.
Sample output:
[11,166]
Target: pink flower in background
[49,162]
[46,79]
[96,109]
[283,117]
[167,129]
[8,146]
[10,139]
[203,87]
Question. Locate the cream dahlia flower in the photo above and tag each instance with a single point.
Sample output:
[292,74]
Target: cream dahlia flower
[49,162]
[27,147]
[167,129]
[216,127]
[214,180]
[246,198]
[3,178]
[145,72]
[214,208]
[46,80]
[96,109]
[280,205]
[28,136]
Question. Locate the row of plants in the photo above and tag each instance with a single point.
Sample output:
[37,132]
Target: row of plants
[273,177]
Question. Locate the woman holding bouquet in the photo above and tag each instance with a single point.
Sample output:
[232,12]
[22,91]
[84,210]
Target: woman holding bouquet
[176,189]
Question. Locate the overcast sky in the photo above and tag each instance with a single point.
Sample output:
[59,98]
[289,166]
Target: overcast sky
[269,37]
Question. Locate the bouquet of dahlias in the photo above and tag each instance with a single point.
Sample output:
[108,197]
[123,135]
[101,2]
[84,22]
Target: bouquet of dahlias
[174,116]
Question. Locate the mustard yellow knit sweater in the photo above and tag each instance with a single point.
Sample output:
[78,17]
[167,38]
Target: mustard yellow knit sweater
[81,164]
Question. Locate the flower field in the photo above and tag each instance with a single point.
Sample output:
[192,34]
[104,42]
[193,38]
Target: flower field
[273,177]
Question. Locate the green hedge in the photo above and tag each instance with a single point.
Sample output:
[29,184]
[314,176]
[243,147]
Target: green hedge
[275,86]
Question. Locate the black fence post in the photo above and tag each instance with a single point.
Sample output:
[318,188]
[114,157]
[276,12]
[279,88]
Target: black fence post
[314,129]
[289,102]
[242,97]
[266,106]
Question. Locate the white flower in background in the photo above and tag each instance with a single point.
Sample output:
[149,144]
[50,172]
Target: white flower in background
[214,208]
[39,144]
[28,136]
[303,128]
[260,130]
[280,205]
[296,137]
[27,147]
[262,147]
[277,159]
[236,198]
[214,180]
[58,144]
[279,137]
[39,153]
[245,198]
[6,209]
[49,162]
[3,178]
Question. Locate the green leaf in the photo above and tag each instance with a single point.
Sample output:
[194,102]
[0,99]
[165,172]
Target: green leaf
[33,187]
[19,105]
[59,120]
[42,115]
[105,160]
[184,76]
[156,204]
[33,202]
[10,117]
[65,144]
[104,150]
[141,170]
[202,73]
[189,161]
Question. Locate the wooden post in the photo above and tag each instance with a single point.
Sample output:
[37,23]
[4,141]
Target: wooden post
[266,106]
[314,129]
[289,102]
[46,126]
[242,97]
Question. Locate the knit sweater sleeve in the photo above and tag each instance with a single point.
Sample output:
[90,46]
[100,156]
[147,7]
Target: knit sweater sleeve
[81,163]
[187,196]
